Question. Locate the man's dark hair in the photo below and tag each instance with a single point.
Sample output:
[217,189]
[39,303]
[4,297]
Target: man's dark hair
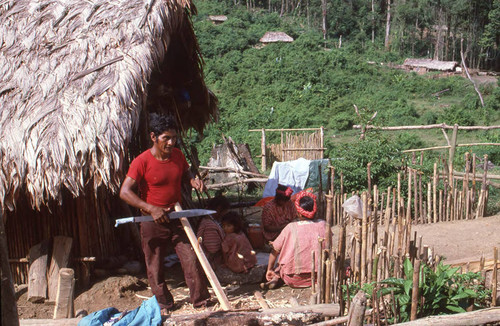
[159,123]
[235,220]
[307,203]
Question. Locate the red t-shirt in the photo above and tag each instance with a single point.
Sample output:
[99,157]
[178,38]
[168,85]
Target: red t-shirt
[159,181]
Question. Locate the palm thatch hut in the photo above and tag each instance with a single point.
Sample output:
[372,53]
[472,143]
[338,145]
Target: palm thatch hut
[429,65]
[217,19]
[273,37]
[77,81]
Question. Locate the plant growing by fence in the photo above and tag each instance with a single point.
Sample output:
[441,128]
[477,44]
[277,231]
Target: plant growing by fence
[443,291]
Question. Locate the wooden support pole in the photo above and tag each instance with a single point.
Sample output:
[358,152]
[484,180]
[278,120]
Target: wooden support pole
[415,290]
[8,305]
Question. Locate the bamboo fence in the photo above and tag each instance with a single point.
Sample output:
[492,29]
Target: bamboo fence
[292,146]
[369,256]
[86,219]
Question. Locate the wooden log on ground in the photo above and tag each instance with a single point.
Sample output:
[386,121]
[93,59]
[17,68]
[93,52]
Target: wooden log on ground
[478,317]
[357,309]
[37,279]
[293,315]
[50,322]
[64,298]
[60,257]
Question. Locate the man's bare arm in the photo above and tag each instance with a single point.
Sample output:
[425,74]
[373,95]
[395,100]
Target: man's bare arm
[128,194]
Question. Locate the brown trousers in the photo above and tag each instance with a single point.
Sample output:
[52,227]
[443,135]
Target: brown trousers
[156,239]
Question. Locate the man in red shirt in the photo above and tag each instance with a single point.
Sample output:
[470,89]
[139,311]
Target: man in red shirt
[157,175]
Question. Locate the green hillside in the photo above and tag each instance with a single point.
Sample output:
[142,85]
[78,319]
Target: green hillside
[312,83]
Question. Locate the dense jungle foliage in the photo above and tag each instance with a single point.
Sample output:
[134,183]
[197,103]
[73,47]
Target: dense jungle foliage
[315,82]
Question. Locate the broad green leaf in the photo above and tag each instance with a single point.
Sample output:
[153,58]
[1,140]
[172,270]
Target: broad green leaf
[455,308]
[408,286]
[393,281]
[408,269]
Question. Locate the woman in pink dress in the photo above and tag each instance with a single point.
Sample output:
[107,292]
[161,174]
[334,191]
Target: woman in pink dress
[294,246]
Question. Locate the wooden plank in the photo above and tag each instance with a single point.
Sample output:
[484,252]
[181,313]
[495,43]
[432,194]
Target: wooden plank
[60,257]
[64,298]
[212,278]
[50,322]
[37,275]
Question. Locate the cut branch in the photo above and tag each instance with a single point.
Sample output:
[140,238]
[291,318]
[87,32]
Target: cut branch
[479,317]
[233,183]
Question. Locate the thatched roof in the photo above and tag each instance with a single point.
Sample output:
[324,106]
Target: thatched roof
[75,78]
[271,37]
[431,64]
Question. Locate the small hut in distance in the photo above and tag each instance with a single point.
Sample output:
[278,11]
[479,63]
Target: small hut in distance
[217,19]
[425,65]
[274,37]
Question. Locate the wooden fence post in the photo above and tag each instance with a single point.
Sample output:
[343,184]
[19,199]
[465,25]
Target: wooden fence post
[263,148]
[494,278]
[357,309]
[414,293]
[453,146]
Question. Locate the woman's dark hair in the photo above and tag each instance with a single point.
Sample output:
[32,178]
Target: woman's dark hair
[233,219]
[307,203]
[159,123]
[280,193]
[218,203]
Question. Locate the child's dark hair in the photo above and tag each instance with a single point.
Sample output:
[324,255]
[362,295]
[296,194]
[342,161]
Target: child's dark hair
[307,203]
[218,203]
[233,219]
[159,123]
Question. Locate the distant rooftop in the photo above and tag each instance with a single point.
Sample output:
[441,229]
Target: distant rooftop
[217,18]
[431,64]
[271,37]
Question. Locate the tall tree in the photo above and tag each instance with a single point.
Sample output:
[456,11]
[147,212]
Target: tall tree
[388,25]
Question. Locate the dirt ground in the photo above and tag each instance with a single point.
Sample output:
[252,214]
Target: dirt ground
[456,241]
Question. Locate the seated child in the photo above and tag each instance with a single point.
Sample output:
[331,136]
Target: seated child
[294,246]
[237,251]
[210,231]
